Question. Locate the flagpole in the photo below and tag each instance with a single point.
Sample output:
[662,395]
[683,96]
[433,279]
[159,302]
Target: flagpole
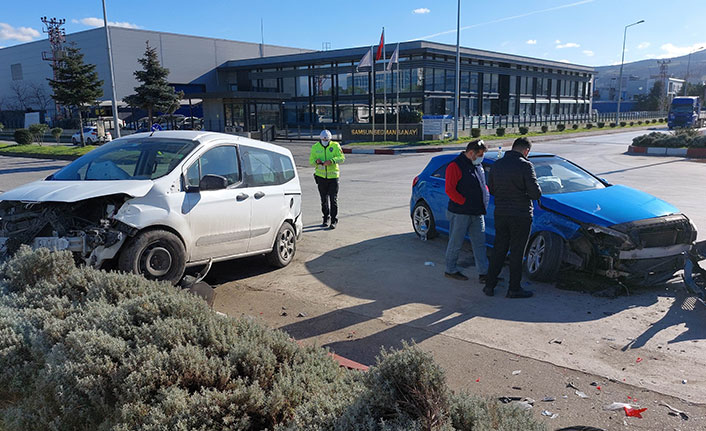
[384,94]
[397,127]
[372,66]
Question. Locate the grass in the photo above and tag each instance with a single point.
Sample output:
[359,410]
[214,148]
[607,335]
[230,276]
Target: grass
[495,137]
[48,151]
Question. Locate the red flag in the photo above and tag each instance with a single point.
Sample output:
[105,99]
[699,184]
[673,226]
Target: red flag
[378,54]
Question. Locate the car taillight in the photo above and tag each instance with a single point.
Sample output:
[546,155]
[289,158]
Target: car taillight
[415,181]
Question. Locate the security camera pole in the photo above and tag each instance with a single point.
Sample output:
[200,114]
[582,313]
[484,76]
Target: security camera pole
[620,77]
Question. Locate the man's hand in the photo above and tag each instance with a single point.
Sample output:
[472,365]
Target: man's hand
[328,163]
[319,162]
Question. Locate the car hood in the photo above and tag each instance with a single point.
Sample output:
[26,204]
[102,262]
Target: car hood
[610,206]
[74,191]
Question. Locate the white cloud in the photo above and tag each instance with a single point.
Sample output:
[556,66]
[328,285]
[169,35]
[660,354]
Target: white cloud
[20,34]
[568,45]
[643,45]
[671,50]
[531,42]
[421,10]
[98,22]
[588,52]
[557,41]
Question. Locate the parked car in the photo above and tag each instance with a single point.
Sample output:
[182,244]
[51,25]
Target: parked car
[581,221]
[90,136]
[157,203]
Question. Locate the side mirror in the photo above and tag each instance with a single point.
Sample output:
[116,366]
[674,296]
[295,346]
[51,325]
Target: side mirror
[213,182]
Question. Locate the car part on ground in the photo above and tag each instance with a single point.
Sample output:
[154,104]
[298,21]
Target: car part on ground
[695,274]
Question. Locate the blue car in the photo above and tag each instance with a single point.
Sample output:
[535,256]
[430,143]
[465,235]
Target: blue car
[581,221]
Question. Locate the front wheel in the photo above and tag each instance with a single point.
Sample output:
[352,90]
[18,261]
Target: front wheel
[423,219]
[544,256]
[284,248]
[156,254]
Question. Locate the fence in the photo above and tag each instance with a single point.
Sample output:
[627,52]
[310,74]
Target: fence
[495,121]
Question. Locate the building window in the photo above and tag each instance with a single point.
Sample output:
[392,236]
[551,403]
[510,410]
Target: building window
[360,83]
[439,80]
[322,85]
[16,71]
[345,83]
[288,86]
[405,80]
[302,86]
[417,80]
[451,80]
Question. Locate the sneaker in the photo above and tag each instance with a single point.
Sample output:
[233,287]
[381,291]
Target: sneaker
[325,222]
[333,225]
[456,276]
[489,291]
[521,293]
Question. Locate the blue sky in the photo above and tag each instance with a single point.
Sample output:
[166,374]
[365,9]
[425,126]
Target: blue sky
[579,31]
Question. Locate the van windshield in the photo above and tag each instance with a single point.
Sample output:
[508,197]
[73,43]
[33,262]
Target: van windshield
[132,159]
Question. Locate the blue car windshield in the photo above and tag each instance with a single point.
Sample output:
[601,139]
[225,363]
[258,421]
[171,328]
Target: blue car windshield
[132,159]
[556,176]
[682,109]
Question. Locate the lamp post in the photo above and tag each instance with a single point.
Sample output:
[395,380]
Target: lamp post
[457,93]
[620,77]
[688,63]
[116,119]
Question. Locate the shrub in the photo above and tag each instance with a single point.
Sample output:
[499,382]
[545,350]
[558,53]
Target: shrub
[686,138]
[545,129]
[632,123]
[623,124]
[524,130]
[23,137]
[56,133]
[589,125]
[2,127]
[560,127]
[475,132]
[38,131]
[86,349]
[639,122]
[500,131]
[612,124]
[600,124]
[575,126]
[654,120]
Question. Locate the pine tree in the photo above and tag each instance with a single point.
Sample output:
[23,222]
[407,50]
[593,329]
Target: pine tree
[76,84]
[155,93]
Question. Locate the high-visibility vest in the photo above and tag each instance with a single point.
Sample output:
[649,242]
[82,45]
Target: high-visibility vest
[332,152]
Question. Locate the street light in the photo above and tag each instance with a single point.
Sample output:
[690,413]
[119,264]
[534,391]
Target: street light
[457,93]
[620,77]
[116,119]
[688,63]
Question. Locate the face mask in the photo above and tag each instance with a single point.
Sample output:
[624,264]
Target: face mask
[477,161]
[324,143]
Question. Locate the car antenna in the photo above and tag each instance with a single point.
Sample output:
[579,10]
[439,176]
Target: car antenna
[154,128]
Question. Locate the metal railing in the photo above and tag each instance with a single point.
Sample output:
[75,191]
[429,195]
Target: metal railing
[509,121]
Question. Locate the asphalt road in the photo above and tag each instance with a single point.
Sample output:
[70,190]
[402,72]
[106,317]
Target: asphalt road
[368,283]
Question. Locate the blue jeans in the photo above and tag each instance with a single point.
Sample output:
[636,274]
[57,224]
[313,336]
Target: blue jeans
[461,225]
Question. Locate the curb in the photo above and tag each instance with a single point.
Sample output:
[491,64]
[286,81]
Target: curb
[398,151]
[694,153]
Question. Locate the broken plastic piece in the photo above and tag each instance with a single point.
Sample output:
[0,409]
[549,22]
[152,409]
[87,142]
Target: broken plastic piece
[429,263]
[633,412]
[617,406]
[581,394]
[548,399]
[516,372]
[581,428]
[550,414]
[639,360]
[675,412]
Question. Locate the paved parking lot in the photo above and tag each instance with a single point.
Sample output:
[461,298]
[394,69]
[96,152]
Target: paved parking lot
[368,283]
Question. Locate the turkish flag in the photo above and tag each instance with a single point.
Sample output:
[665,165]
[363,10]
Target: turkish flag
[378,54]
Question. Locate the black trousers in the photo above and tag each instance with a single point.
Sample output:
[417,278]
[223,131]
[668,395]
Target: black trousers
[328,191]
[511,233]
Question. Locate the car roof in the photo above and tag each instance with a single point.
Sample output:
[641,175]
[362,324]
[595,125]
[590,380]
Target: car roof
[490,156]
[207,138]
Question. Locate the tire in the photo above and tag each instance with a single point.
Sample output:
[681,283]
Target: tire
[74,141]
[544,256]
[155,254]
[284,248]
[421,214]
[89,141]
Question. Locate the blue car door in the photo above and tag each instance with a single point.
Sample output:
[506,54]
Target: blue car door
[489,218]
[437,198]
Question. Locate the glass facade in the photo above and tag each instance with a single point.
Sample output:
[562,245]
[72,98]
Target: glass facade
[335,92]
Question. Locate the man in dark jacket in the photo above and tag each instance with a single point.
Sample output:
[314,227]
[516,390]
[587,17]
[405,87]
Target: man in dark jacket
[468,202]
[513,183]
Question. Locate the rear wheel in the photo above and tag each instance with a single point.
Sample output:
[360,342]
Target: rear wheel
[284,248]
[544,256]
[156,254]
[423,219]
[74,141]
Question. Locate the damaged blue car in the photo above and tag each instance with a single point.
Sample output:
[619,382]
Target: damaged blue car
[581,222]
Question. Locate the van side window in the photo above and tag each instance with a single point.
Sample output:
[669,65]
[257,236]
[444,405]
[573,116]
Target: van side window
[266,168]
[221,161]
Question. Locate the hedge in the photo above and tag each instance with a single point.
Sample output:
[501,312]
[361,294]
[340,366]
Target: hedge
[500,131]
[23,137]
[681,139]
[475,132]
[86,349]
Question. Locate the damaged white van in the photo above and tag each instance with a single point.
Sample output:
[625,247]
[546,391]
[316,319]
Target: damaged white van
[157,203]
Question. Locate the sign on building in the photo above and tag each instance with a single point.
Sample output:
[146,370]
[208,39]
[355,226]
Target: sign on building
[436,124]
[364,132]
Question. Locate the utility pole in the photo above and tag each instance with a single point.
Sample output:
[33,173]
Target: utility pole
[57,37]
[686,77]
[457,93]
[116,118]
[620,78]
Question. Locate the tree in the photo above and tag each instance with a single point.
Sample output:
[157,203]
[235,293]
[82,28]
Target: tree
[76,84]
[155,93]
[21,94]
[39,97]
[655,100]
[696,90]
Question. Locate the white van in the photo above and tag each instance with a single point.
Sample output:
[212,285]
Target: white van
[157,203]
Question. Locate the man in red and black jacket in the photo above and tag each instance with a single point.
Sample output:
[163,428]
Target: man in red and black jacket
[468,202]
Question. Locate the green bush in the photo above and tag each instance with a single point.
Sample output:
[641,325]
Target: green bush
[560,127]
[475,132]
[86,349]
[639,122]
[575,126]
[524,130]
[56,133]
[686,138]
[623,124]
[38,131]
[600,124]
[545,129]
[23,137]
[589,125]
[500,131]
[632,123]
[612,124]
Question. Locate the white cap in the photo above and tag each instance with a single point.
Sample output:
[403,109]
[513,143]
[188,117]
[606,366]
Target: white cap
[325,135]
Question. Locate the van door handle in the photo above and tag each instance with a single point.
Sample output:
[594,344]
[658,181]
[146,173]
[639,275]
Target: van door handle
[259,195]
[241,197]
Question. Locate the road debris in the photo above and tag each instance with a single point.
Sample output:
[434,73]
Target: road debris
[581,428]
[517,388]
[638,360]
[581,394]
[556,341]
[549,414]
[516,372]
[548,399]
[429,263]
[675,412]
[683,382]
[284,313]
[617,406]
[634,412]
[301,314]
